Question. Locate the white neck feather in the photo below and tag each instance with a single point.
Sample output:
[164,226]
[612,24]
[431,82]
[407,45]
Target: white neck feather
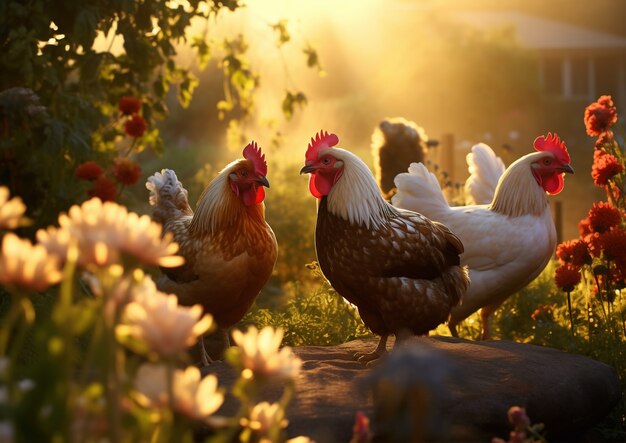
[517,192]
[356,197]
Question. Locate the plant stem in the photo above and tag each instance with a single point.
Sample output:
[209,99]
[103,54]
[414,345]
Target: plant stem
[569,308]
[9,323]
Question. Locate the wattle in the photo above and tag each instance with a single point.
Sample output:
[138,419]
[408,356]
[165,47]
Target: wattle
[319,185]
[253,195]
[553,184]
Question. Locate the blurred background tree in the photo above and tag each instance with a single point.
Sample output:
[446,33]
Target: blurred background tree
[66,64]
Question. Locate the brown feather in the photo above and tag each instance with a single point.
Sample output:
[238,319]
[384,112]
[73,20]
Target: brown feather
[398,274]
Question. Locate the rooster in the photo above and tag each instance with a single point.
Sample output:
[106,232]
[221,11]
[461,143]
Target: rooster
[485,169]
[400,269]
[509,241]
[229,249]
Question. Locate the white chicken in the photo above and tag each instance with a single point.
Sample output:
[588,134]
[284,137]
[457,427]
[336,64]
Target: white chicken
[485,169]
[507,242]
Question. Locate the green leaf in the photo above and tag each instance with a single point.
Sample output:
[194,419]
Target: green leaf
[282,32]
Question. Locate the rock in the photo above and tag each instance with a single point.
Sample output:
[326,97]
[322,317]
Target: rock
[460,390]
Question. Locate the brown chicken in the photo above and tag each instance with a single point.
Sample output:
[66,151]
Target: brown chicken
[228,247]
[400,269]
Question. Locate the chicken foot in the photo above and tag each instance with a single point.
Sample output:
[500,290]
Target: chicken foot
[370,357]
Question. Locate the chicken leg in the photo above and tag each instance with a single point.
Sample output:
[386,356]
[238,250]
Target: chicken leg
[368,358]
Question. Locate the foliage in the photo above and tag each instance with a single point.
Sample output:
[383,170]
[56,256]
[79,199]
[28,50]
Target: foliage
[322,317]
[65,67]
[105,354]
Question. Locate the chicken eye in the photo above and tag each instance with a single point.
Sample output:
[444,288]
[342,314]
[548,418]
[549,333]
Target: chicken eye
[547,161]
[326,160]
[243,173]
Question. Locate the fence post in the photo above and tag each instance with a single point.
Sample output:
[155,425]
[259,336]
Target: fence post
[447,155]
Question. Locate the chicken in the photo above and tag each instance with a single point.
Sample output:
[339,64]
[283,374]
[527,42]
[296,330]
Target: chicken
[509,241]
[485,169]
[400,269]
[229,249]
[396,142]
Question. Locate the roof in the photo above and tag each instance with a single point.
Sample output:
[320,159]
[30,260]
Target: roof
[540,33]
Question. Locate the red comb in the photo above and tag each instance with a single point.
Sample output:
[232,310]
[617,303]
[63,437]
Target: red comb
[323,140]
[253,153]
[553,144]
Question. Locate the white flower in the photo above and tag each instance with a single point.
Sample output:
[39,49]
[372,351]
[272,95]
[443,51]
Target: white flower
[259,353]
[265,416]
[151,383]
[103,232]
[11,211]
[156,319]
[194,397]
[26,265]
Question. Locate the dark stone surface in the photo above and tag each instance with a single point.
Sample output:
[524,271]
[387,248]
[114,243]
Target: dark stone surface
[460,389]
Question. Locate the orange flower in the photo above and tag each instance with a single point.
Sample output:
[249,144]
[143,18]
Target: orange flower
[567,276]
[104,188]
[126,171]
[129,105]
[135,126]
[604,139]
[600,115]
[88,170]
[603,216]
[604,167]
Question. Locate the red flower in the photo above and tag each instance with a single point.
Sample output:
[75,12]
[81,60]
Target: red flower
[543,313]
[361,428]
[574,251]
[89,170]
[567,276]
[104,188]
[613,244]
[129,105]
[584,227]
[135,126]
[604,139]
[604,167]
[603,216]
[594,243]
[126,171]
[600,115]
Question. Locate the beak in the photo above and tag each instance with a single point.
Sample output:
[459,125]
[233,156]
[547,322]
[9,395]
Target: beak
[263,181]
[567,168]
[307,169]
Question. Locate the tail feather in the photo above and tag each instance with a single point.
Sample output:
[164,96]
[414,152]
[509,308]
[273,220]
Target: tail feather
[419,191]
[485,169]
[167,195]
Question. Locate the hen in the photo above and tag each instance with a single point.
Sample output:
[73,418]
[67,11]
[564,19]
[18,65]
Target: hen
[228,247]
[400,269]
[396,142]
[509,241]
[485,169]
